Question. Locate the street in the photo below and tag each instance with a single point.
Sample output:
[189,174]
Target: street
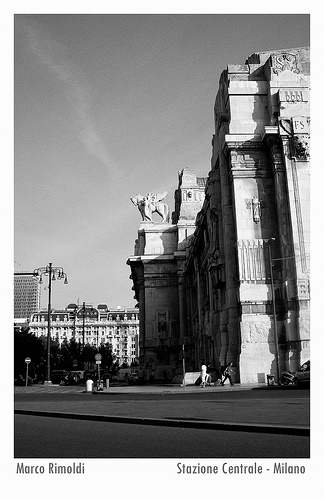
[43,437]
[187,418]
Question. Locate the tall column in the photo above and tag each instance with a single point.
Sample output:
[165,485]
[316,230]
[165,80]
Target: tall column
[142,322]
[201,341]
[182,307]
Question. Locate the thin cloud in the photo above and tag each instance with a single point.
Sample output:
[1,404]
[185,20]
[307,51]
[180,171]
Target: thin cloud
[53,56]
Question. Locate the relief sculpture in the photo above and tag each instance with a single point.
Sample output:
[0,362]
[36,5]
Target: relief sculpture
[300,146]
[256,208]
[256,333]
[283,62]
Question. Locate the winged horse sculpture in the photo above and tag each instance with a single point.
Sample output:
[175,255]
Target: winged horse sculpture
[150,204]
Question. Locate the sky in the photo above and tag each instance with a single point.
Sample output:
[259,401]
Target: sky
[107,106]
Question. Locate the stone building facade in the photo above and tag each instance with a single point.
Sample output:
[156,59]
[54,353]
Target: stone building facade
[95,326]
[157,274]
[233,285]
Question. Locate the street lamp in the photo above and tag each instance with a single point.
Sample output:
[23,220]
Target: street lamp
[274,312]
[182,355]
[86,311]
[83,325]
[53,274]
[274,307]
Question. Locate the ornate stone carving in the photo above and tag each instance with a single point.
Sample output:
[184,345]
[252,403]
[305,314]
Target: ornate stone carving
[150,204]
[293,95]
[254,204]
[286,125]
[256,332]
[303,289]
[252,258]
[256,210]
[248,159]
[300,147]
[301,124]
[286,151]
[283,62]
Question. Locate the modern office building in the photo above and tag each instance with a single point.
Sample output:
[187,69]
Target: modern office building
[27,295]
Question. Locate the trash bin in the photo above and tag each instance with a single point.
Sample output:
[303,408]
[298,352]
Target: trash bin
[271,379]
[89,385]
[107,383]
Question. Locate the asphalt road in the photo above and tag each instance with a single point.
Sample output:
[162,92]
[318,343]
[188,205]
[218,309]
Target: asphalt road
[45,437]
[274,407]
[41,437]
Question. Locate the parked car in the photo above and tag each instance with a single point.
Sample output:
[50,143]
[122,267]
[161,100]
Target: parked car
[123,374]
[133,378]
[136,377]
[303,373]
[80,374]
[60,377]
[73,378]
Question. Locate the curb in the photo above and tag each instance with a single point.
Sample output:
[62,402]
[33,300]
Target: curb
[158,389]
[169,422]
[185,390]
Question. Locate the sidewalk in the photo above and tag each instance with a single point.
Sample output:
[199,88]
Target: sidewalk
[173,389]
[214,409]
[151,389]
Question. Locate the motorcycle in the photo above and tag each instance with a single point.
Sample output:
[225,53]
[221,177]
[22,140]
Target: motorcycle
[288,378]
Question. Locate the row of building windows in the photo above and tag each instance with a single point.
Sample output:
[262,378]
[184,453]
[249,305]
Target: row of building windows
[65,319]
[123,337]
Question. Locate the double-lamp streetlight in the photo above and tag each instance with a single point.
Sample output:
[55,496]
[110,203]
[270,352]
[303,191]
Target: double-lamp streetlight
[274,310]
[53,273]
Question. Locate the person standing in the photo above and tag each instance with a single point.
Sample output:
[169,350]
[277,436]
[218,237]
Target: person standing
[141,376]
[203,375]
[228,373]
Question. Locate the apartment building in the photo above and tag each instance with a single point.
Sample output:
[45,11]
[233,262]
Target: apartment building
[93,325]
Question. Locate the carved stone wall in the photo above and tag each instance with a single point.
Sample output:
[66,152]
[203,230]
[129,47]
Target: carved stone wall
[230,276]
[252,256]
[160,251]
[255,218]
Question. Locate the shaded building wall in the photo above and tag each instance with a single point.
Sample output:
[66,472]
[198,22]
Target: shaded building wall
[157,275]
[255,220]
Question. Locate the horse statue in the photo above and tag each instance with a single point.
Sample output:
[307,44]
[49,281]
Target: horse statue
[150,204]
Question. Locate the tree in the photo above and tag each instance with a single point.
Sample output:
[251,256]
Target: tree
[109,362]
[62,356]
[69,352]
[26,344]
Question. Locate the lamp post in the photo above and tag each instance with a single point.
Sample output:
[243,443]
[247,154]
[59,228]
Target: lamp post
[272,265]
[274,312]
[83,324]
[87,311]
[53,274]
[274,306]
[183,365]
